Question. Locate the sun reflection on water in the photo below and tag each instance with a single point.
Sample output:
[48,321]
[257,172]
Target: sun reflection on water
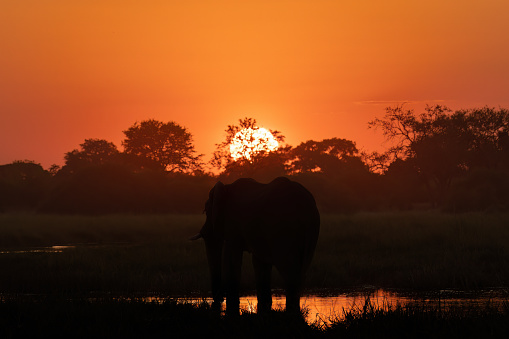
[323,309]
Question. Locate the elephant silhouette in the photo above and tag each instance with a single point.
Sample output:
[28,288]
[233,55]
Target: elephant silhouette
[277,222]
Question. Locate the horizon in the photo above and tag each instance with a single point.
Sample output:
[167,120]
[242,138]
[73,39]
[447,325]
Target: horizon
[81,70]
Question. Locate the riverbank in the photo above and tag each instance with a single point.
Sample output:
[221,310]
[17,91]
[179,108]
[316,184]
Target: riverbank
[110,318]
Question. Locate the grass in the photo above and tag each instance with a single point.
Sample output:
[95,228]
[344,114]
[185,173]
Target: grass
[129,254]
[115,254]
[75,292]
[110,318]
[413,250]
[31,230]
[421,321]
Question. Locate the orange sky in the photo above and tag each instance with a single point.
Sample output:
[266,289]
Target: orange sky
[71,70]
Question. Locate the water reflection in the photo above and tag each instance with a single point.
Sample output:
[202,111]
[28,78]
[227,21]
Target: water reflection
[50,249]
[325,308]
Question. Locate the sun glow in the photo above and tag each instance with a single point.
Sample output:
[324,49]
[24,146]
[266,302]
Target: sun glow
[248,142]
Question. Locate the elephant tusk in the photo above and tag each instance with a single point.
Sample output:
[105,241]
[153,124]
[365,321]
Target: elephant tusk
[196,236]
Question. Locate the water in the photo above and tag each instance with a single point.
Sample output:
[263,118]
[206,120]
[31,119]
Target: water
[50,249]
[59,248]
[324,308]
[328,306]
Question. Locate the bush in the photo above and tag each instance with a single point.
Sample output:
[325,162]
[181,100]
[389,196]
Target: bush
[112,188]
[480,190]
[22,185]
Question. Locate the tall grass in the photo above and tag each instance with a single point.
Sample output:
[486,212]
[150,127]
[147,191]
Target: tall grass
[152,253]
[118,253]
[414,250]
[420,321]
[113,318]
[26,230]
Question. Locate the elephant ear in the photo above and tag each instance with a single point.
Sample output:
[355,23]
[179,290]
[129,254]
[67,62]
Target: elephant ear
[217,211]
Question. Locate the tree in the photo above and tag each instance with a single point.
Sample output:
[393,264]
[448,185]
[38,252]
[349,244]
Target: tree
[404,127]
[402,186]
[23,184]
[333,170]
[263,168]
[92,152]
[489,130]
[443,145]
[259,159]
[326,156]
[435,140]
[167,146]
[377,162]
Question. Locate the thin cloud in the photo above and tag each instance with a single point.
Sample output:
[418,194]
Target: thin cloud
[399,102]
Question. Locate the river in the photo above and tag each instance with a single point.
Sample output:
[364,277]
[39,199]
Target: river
[326,307]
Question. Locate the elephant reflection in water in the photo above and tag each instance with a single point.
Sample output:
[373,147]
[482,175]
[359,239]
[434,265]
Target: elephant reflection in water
[277,222]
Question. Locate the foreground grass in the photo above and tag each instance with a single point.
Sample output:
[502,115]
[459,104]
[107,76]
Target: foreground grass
[109,318]
[129,254]
[420,321]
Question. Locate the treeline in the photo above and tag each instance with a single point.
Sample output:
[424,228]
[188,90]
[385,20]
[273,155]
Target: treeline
[455,161]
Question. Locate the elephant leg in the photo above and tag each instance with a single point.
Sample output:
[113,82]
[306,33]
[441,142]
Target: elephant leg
[293,298]
[293,284]
[263,272]
[232,258]
[217,295]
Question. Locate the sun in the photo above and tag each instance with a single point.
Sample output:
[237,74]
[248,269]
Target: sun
[248,142]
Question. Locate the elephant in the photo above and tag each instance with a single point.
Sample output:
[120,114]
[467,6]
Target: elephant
[277,222]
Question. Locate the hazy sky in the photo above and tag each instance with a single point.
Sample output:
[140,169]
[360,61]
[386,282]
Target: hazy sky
[71,70]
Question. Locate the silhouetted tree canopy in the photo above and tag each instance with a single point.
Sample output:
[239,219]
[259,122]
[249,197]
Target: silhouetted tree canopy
[333,170]
[480,135]
[115,188]
[480,189]
[458,161]
[326,156]
[92,152]
[488,129]
[443,145]
[403,186]
[167,146]
[263,167]
[22,185]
